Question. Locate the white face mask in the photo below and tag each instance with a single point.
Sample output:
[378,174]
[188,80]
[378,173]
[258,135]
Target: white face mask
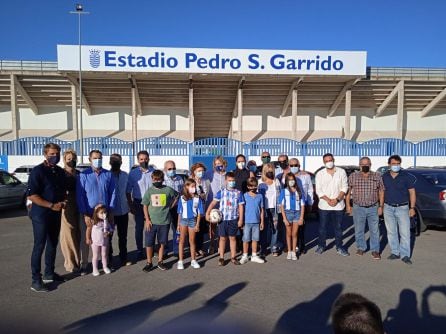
[240,165]
[291,183]
[199,174]
[192,190]
[329,165]
[102,216]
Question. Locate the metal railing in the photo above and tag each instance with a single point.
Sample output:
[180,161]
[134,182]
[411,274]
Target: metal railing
[166,146]
[408,73]
[26,65]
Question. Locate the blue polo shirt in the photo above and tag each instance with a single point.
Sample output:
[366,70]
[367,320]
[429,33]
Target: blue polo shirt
[49,183]
[397,189]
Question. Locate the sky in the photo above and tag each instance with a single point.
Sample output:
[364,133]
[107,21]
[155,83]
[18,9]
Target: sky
[395,33]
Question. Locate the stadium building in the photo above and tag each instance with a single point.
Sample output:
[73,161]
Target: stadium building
[246,95]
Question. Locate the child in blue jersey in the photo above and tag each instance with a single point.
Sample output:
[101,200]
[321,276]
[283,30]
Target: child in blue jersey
[292,206]
[231,206]
[190,209]
[253,221]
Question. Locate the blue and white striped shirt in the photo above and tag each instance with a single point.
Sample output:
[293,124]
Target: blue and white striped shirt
[191,208]
[290,200]
[229,201]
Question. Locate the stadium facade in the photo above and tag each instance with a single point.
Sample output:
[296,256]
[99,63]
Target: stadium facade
[133,93]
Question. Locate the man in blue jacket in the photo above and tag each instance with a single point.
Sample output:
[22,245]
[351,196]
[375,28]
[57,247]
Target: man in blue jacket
[95,186]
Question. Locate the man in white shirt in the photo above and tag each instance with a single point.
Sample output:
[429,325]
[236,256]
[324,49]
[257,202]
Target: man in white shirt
[331,187]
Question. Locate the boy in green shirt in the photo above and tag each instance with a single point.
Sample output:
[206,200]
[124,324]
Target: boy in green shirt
[157,202]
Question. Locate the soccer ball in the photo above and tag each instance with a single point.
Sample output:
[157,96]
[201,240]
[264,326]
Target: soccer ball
[215,216]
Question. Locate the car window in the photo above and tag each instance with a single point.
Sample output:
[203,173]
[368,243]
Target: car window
[22,170]
[7,179]
[438,179]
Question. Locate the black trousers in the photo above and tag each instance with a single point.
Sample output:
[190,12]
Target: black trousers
[122,224]
[301,238]
[199,237]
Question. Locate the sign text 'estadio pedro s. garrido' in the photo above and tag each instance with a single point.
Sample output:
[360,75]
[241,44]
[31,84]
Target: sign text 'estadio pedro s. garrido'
[225,61]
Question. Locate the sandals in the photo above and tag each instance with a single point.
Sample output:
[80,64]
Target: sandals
[235,261]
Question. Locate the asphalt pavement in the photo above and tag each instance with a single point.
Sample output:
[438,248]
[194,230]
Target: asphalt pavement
[279,296]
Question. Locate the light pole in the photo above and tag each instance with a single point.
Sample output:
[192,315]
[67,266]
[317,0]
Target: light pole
[79,12]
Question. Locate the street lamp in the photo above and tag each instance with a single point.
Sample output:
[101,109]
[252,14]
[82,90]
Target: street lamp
[79,12]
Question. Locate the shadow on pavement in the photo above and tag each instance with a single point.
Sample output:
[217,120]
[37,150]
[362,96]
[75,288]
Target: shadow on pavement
[405,318]
[312,316]
[127,318]
[201,319]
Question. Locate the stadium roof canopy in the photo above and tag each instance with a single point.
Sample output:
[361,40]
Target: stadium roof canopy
[212,99]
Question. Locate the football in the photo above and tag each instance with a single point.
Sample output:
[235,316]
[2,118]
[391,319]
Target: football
[215,216]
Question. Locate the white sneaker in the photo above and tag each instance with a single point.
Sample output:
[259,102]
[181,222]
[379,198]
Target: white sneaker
[107,270]
[194,264]
[180,265]
[293,256]
[96,273]
[257,259]
[244,259]
[289,256]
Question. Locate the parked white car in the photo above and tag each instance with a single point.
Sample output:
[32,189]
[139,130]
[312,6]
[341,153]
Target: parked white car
[23,172]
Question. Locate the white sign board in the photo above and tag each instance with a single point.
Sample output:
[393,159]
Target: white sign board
[224,61]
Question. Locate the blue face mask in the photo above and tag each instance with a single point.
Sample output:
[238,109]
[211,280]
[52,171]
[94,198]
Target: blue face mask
[253,168]
[395,168]
[199,175]
[231,184]
[219,168]
[171,173]
[53,160]
[294,170]
[97,163]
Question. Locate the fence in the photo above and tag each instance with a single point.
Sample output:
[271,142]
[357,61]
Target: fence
[229,147]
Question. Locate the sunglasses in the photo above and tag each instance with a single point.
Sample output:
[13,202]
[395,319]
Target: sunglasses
[266,156]
[294,165]
[171,168]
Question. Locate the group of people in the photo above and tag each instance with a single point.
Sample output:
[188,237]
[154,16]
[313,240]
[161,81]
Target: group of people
[260,217]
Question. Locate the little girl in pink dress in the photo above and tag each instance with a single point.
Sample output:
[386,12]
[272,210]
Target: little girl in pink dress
[100,233]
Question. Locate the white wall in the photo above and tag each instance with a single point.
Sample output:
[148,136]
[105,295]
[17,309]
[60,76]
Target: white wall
[182,162]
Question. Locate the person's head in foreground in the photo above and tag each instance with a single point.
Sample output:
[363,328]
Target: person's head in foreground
[354,314]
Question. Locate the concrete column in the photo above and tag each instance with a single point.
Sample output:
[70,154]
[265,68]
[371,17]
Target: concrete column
[400,112]
[294,115]
[15,120]
[348,112]
[74,112]
[134,118]
[191,115]
[240,113]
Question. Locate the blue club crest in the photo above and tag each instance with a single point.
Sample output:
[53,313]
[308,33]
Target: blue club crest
[95,58]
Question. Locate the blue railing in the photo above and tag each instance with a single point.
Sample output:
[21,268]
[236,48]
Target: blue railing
[165,146]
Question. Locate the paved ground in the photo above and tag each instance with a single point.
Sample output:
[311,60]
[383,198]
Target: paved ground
[279,296]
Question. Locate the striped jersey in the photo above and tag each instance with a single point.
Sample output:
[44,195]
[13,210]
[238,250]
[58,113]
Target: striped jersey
[290,200]
[191,208]
[229,201]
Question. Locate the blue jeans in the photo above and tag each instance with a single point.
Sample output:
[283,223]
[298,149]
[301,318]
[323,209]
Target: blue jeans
[398,220]
[334,216]
[362,215]
[46,230]
[268,236]
[139,225]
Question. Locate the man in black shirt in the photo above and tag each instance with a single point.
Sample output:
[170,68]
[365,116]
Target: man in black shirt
[47,191]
